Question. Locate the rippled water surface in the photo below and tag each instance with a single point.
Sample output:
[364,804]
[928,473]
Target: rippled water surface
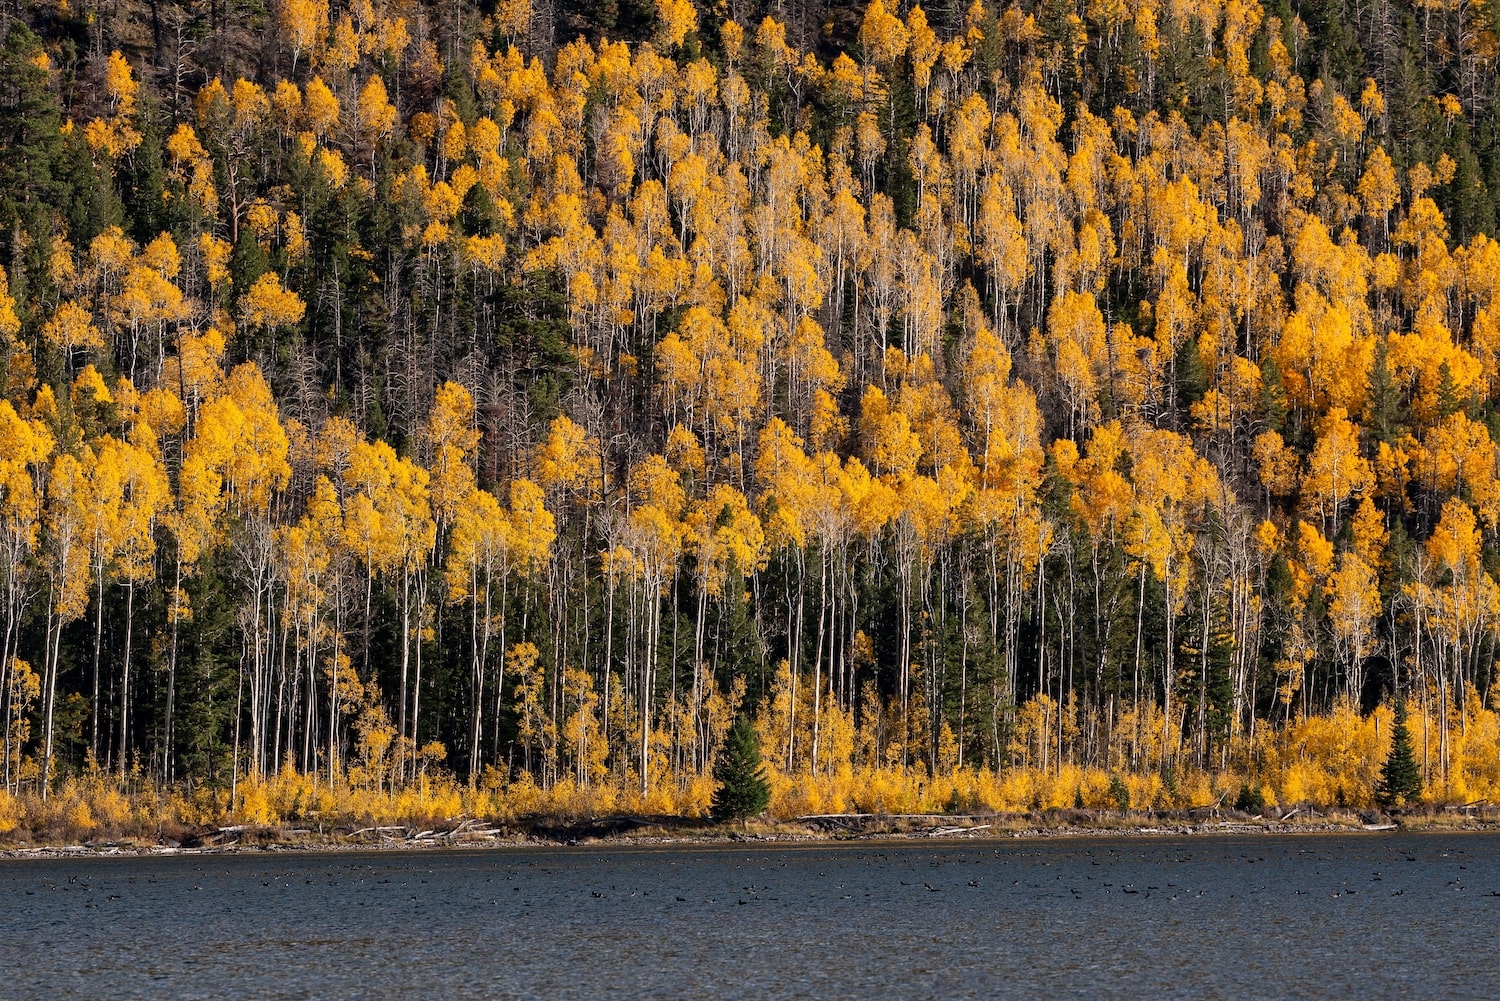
[1307,916]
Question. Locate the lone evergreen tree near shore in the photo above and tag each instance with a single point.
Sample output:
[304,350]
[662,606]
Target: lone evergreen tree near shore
[1400,778]
[743,790]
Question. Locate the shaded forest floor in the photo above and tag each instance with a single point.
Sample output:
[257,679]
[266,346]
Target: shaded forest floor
[666,831]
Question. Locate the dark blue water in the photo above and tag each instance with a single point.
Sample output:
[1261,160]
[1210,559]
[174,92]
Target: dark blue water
[1256,917]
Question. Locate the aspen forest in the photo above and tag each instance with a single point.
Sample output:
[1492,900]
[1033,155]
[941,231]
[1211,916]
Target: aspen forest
[416,409]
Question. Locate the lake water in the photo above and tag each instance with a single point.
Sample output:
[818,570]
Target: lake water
[1378,915]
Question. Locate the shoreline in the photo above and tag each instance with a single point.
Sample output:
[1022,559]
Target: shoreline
[819,832]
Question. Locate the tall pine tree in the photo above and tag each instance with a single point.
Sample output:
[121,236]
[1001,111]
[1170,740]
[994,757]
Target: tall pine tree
[1400,777]
[743,790]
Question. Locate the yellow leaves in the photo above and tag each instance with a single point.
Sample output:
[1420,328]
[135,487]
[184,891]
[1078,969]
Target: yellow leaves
[450,424]
[810,359]
[869,139]
[294,238]
[335,171]
[1392,467]
[675,19]
[846,79]
[320,107]
[1486,343]
[388,517]
[932,505]
[238,455]
[1076,335]
[72,328]
[1323,356]
[10,324]
[533,528]
[25,448]
[161,256]
[1355,604]
[261,218]
[513,18]
[685,454]
[534,724]
[783,473]
[1276,463]
[1315,551]
[826,425]
[216,254]
[478,545]
[1104,498]
[1455,543]
[882,35]
[183,146]
[485,540]
[127,490]
[111,251]
[114,138]
[452,436]
[709,369]
[160,410]
[89,389]
[1336,471]
[583,738]
[732,35]
[196,368]
[1173,486]
[890,444]
[304,24]
[287,102]
[1378,189]
[455,141]
[120,84]
[1435,370]
[146,296]
[1368,535]
[654,483]
[723,533]
[1267,538]
[375,113]
[1007,423]
[268,304]
[249,106]
[1457,451]
[924,45]
[67,563]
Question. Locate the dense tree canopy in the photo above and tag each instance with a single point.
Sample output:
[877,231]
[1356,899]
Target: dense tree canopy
[391,389]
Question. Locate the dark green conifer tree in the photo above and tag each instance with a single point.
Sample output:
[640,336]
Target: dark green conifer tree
[1400,777]
[743,790]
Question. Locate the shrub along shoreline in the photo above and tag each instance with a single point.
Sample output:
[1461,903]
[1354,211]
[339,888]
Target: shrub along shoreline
[94,814]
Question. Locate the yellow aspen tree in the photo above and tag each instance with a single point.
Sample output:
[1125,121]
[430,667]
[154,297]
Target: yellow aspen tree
[140,493]
[1076,333]
[1354,608]
[653,534]
[375,115]
[453,439]
[674,20]
[25,449]
[304,25]
[476,568]
[67,568]
[728,545]
[235,465]
[10,323]
[882,36]
[1335,469]
[116,136]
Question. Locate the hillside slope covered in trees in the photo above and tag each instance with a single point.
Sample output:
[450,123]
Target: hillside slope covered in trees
[993,401]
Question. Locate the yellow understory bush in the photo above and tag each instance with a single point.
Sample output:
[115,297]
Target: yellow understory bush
[1322,761]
